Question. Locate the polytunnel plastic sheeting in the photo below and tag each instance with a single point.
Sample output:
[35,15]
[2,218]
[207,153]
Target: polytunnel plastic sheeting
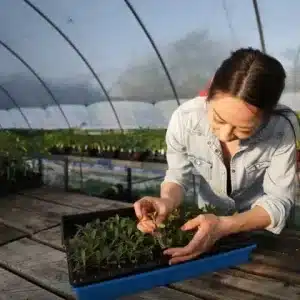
[131,114]
[112,41]
[12,118]
[95,116]
[19,82]
[280,24]
[64,60]
[167,107]
[194,37]
[45,51]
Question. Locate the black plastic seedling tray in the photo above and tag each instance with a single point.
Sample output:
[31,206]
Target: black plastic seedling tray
[115,283]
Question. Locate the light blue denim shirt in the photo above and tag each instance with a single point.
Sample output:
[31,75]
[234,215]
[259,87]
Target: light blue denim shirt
[263,171]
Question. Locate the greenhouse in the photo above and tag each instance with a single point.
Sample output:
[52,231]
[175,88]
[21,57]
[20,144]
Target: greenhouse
[87,90]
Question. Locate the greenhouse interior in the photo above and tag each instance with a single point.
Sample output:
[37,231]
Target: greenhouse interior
[83,88]
[87,90]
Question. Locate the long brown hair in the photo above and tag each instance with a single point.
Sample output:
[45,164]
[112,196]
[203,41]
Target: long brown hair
[256,78]
[251,75]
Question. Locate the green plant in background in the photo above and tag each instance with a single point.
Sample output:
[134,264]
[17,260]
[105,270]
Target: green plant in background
[29,142]
[116,242]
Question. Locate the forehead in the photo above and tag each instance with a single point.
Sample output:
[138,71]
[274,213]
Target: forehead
[235,111]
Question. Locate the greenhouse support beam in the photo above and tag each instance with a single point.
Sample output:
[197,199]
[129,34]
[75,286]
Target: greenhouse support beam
[36,75]
[73,46]
[139,20]
[5,91]
[259,26]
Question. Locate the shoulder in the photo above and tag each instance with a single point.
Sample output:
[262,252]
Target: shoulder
[198,103]
[190,113]
[285,120]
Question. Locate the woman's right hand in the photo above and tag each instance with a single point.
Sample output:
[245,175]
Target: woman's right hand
[159,207]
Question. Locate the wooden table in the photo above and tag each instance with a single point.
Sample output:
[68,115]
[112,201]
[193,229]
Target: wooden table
[33,262]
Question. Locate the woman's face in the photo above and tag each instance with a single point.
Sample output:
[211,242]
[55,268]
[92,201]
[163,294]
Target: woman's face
[233,119]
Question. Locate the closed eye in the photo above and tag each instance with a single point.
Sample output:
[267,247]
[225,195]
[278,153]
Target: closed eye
[217,120]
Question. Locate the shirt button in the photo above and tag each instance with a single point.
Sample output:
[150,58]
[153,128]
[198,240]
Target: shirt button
[233,171]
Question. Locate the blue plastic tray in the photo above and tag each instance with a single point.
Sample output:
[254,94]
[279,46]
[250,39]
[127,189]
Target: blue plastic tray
[113,289]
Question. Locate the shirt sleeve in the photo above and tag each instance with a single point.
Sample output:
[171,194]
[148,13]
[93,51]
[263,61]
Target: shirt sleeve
[179,167]
[280,182]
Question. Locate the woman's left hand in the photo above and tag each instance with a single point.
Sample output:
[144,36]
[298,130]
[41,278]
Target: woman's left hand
[209,230]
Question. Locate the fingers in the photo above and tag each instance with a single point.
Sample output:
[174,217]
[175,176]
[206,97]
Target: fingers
[193,223]
[179,259]
[142,207]
[148,205]
[195,246]
[138,210]
[160,219]
[180,254]
[173,251]
[146,226]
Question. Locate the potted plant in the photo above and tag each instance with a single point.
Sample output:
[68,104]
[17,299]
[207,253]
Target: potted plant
[109,257]
[76,150]
[93,150]
[124,150]
[108,151]
[154,155]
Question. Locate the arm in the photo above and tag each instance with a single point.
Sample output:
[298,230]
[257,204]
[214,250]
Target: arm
[175,183]
[256,218]
[271,211]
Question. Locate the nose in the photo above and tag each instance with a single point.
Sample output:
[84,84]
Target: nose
[226,133]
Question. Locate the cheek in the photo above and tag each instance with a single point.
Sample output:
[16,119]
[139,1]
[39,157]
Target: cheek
[213,124]
[210,116]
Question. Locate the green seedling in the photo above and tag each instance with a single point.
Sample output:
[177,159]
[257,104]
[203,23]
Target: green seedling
[116,242]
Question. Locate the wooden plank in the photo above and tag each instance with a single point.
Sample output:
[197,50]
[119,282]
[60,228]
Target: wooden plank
[17,288]
[291,232]
[268,287]
[270,271]
[31,214]
[8,234]
[161,293]
[286,261]
[279,243]
[50,236]
[80,201]
[215,290]
[45,265]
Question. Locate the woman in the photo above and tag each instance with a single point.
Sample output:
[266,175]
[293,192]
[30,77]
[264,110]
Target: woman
[241,144]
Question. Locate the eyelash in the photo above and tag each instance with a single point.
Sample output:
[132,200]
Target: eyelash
[218,121]
[222,122]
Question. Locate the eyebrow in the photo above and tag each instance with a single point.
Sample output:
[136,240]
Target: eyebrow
[243,127]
